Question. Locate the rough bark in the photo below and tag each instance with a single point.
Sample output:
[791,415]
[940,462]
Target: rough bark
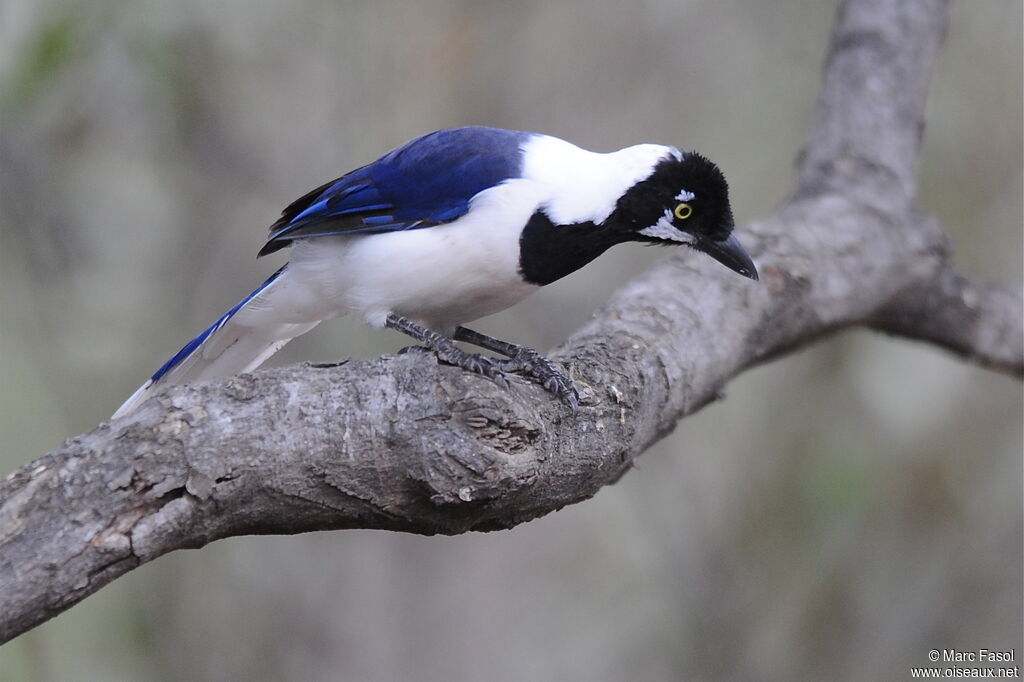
[405,444]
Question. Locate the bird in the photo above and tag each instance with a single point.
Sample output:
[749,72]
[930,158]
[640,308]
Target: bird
[455,225]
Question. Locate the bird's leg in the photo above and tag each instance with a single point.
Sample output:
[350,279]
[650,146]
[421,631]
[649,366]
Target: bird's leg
[524,359]
[446,349]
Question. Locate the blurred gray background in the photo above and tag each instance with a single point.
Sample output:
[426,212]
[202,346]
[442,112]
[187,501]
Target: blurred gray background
[839,514]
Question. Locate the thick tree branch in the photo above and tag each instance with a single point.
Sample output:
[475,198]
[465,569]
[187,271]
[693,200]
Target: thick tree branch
[869,118]
[402,443]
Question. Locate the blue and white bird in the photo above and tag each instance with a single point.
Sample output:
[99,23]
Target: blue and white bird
[455,225]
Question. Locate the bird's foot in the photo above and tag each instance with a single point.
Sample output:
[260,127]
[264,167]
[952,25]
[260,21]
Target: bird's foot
[520,358]
[474,362]
[446,349]
[553,380]
[527,360]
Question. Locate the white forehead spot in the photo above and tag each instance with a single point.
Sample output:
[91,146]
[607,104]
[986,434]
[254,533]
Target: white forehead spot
[685,195]
[664,229]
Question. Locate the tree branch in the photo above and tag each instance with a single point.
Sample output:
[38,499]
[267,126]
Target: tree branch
[869,119]
[982,322]
[402,443]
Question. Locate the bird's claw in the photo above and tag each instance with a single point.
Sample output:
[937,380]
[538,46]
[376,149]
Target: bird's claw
[564,387]
[477,364]
[526,360]
[547,374]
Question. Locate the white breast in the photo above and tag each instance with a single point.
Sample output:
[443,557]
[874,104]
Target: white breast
[441,276]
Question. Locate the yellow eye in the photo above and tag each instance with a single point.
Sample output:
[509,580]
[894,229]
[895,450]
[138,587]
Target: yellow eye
[683,211]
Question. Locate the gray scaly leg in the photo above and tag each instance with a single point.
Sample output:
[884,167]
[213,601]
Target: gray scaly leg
[446,349]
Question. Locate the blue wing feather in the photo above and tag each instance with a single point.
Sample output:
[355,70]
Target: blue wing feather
[426,182]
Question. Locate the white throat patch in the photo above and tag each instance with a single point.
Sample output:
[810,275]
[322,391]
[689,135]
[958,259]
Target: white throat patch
[664,229]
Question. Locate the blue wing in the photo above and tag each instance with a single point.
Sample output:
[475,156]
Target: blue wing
[426,182]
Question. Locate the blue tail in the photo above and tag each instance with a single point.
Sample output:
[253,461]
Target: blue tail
[192,345]
[224,348]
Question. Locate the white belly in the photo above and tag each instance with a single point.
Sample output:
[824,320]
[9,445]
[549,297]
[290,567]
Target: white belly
[441,276]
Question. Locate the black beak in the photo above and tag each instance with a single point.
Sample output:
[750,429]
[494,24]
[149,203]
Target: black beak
[730,253]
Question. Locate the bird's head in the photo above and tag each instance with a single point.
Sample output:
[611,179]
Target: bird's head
[685,200]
